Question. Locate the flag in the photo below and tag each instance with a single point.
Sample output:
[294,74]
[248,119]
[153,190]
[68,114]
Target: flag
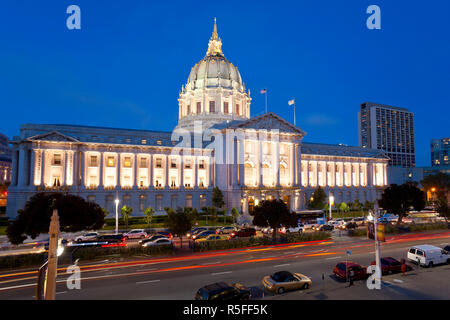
[263,91]
[291,102]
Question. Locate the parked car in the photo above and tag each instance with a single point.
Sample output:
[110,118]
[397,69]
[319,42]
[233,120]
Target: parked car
[135,234]
[222,291]
[167,234]
[391,265]
[213,237]
[195,230]
[297,229]
[152,238]
[447,248]
[323,227]
[226,230]
[111,238]
[267,230]
[308,225]
[282,281]
[203,234]
[245,232]
[428,255]
[157,242]
[350,225]
[335,223]
[360,221]
[342,270]
[87,236]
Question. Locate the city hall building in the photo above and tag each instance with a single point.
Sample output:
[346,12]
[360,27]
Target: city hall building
[215,144]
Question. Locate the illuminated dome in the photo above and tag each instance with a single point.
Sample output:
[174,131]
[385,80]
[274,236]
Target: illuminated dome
[214,91]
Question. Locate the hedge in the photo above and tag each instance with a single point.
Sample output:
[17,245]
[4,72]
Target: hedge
[393,229]
[258,241]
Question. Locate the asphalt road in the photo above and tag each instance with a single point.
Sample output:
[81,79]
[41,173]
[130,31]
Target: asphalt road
[180,277]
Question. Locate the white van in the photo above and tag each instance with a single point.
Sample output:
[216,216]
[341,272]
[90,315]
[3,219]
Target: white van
[428,255]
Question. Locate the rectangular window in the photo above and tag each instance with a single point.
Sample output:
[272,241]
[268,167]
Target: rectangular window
[201,164]
[159,163]
[110,162]
[142,202]
[93,161]
[91,198]
[57,159]
[188,109]
[173,163]
[238,110]
[212,106]
[158,201]
[188,201]
[127,162]
[225,107]
[199,107]
[143,163]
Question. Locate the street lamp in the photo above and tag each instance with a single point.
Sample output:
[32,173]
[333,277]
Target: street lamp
[331,199]
[117,215]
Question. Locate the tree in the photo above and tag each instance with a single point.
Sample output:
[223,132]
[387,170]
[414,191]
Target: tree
[217,198]
[179,222]
[235,214]
[343,207]
[75,214]
[368,205]
[212,212]
[443,209]
[149,215]
[317,200]
[356,205]
[399,199]
[274,214]
[126,211]
[439,182]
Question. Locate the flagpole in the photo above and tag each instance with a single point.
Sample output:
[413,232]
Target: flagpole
[294,112]
[266,99]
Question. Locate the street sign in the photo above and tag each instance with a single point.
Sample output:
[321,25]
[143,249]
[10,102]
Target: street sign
[349,252]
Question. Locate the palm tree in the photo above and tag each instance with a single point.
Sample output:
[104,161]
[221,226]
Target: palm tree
[149,215]
[126,213]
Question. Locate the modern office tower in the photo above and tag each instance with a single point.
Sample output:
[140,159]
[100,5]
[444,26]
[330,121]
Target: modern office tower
[390,129]
[440,150]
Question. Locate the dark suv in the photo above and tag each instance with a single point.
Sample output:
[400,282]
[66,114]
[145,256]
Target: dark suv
[246,232]
[222,291]
[111,238]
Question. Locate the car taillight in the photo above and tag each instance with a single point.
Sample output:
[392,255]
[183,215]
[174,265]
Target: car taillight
[233,234]
[424,255]
[123,239]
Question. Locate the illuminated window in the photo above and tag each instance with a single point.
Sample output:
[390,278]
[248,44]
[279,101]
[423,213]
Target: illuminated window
[110,161]
[127,162]
[57,159]
[144,141]
[143,163]
[201,164]
[159,163]
[159,142]
[238,110]
[188,201]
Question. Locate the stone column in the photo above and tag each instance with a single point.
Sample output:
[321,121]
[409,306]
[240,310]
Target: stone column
[195,172]
[100,171]
[33,165]
[22,171]
[136,171]
[277,164]
[241,163]
[150,169]
[166,178]
[260,164]
[83,169]
[64,160]
[292,177]
[118,171]
[181,177]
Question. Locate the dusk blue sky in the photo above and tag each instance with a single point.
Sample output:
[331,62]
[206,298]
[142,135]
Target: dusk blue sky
[126,65]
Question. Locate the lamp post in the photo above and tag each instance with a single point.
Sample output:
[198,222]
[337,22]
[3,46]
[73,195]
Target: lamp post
[117,215]
[331,199]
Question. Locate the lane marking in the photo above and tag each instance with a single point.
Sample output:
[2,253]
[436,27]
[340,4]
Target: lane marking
[333,258]
[398,280]
[61,292]
[208,263]
[150,281]
[217,273]
[282,265]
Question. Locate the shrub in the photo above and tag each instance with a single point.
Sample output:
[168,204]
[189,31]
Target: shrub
[258,241]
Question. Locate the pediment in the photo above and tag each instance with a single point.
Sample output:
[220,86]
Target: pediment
[52,136]
[270,121]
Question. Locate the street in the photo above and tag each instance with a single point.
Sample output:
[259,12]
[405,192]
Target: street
[179,277]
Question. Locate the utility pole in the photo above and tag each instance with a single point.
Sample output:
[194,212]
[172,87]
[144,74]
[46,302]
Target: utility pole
[377,243]
[50,289]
